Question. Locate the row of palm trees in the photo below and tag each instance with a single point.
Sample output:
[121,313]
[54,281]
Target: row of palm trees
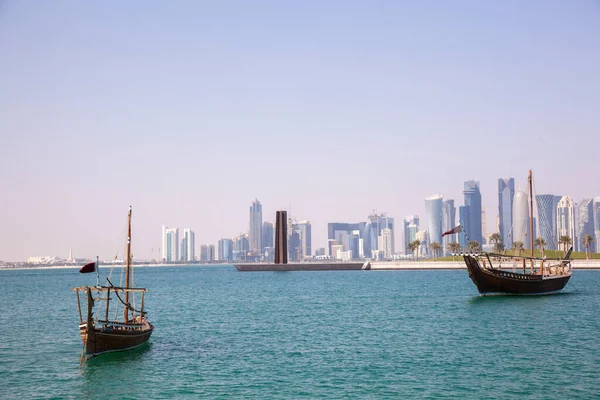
[496,239]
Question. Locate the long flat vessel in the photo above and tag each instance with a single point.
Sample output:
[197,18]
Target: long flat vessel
[354,266]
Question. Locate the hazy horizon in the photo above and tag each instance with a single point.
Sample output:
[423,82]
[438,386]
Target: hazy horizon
[188,111]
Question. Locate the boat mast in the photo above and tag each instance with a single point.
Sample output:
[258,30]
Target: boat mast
[530,213]
[127,267]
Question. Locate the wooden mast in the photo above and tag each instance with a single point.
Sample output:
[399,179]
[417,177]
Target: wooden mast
[127,267]
[530,213]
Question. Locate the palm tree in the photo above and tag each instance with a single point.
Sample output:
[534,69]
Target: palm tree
[435,248]
[565,241]
[454,247]
[587,242]
[417,244]
[473,245]
[518,246]
[412,246]
[497,240]
[541,243]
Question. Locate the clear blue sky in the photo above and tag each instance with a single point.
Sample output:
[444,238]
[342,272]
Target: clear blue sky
[189,110]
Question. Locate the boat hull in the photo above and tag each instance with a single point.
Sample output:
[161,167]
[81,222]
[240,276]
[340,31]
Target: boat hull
[497,281]
[100,341]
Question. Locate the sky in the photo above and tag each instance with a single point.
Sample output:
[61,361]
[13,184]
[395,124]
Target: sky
[188,111]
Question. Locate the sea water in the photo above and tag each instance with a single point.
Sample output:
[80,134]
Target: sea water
[220,333]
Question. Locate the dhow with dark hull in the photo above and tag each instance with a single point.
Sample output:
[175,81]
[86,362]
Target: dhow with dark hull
[107,327]
[495,273]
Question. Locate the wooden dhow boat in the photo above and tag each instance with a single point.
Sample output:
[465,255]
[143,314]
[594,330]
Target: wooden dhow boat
[489,271]
[104,329]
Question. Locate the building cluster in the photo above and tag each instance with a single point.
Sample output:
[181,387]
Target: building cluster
[558,223]
[255,245]
[373,239]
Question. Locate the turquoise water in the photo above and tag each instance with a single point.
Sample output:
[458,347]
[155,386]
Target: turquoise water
[340,334]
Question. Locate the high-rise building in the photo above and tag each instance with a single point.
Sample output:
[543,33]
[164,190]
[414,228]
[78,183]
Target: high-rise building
[585,224]
[211,253]
[268,235]
[225,250]
[433,209]
[472,212]
[597,222]
[170,244]
[506,192]
[255,231]
[304,230]
[204,253]
[241,247]
[411,227]
[448,222]
[520,224]
[565,219]
[546,219]
[188,245]
[385,243]
[378,223]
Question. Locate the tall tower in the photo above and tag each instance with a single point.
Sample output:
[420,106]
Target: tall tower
[304,229]
[170,240]
[473,211]
[585,224]
[433,208]
[520,224]
[411,227]
[281,247]
[188,245]
[565,219]
[546,219]
[448,222]
[255,231]
[506,192]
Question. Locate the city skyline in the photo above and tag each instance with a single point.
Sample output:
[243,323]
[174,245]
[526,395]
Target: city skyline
[187,112]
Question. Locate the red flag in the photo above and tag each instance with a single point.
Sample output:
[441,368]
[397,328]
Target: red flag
[91,267]
[456,229]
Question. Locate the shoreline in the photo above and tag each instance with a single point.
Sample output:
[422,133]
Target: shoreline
[375,266]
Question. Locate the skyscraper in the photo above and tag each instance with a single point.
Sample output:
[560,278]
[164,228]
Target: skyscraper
[268,236]
[597,221]
[204,253]
[433,209]
[170,244]
[565,219]
[448,222]
[188,245]
[385,243]
[225,250]
[378,223]
[546,212]
[506,192]
[520,223]
[585,224]
[304,230]
[255,231]
[411,227]
[211,252]
[472,212]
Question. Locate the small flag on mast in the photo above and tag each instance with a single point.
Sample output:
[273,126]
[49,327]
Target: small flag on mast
[90,267]
[457,229]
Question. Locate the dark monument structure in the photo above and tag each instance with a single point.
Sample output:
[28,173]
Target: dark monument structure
[281,248]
